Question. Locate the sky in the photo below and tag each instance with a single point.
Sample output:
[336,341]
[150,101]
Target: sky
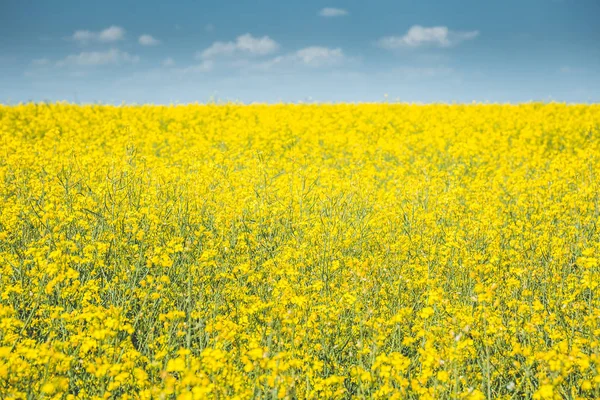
[125,51]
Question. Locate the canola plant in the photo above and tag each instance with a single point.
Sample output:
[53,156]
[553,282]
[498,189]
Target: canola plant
[384,251]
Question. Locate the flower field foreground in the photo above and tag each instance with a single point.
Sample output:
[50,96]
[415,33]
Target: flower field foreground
[300,251]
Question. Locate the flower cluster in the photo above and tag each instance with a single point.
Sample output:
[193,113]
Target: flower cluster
[300,251]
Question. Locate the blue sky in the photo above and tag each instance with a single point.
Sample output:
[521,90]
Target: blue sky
[312,50]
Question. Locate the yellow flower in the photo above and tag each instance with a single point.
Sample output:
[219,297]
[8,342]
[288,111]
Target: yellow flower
[426,312]
[544,392]
[176,365]
[442,376]
[48,388]
[476,395]
[299,251]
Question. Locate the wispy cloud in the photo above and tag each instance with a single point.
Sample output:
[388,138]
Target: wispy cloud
[418,36]
[204,66]
[168,62]
[569,69]
[96,58]
[330,12]
[40,62]
[244,44]
[314,56]
[148,40]
[108,35]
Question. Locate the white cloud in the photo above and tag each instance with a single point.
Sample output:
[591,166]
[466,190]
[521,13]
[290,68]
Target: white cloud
[168,62]
[252,45]
[148,40]
[317,56]
[418,36]
[218,49]
[83,36]
[108,35]
[95,58]
[244,44]
[330,12]
[314,56]
[111,34]
[204,66]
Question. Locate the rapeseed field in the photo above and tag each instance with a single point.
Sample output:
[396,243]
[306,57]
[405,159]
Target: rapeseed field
[380,251]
